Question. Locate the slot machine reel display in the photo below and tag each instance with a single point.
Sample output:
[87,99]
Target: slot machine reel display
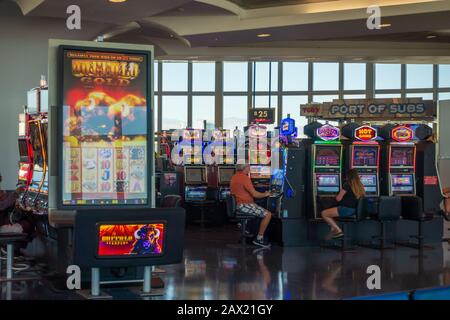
[105,129]
[259,156]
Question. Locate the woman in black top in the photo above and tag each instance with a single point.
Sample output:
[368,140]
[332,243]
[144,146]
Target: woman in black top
[347,198]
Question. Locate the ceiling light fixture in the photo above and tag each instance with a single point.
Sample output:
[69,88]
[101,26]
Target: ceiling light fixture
[264,35]
[117,1]
[431,36]
[385,25]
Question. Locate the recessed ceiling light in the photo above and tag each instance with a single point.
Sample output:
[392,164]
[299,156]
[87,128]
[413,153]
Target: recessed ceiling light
[385,25]
[264,35]
[431,36]
[117,1]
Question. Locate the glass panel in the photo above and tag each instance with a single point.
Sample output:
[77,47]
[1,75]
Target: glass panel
[444,96]
[234,112]
[424,95]
[326,76]
[262,76]
[444,76]
[204,76]
[354,96]
[388,95]
[419,76]
[295,76]
[203,109]
[175,76]
[155,76]
[174,112]
[235,76]
[155,113]
[354,76]
[291,105]
[387,76]
[325,98]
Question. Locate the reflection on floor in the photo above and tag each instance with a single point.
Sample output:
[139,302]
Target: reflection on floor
[215,267]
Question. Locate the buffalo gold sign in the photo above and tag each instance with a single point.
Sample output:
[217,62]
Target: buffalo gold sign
[371,109]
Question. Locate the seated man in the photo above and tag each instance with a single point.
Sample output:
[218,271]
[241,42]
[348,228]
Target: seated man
[244,192]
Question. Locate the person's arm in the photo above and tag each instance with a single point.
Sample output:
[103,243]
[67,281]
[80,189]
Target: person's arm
[341,195]
[251,189]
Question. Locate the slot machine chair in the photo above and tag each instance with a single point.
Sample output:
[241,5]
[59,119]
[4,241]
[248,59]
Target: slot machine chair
[10,240]
[210,204]
[171,201]
[345,243]
[412,210]
[243,219]
[386,209]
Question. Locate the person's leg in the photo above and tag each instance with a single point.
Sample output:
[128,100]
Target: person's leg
[264,223]
[328,215]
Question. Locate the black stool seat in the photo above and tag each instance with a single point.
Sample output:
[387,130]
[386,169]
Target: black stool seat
[6,238]
[347,219]
[233,213]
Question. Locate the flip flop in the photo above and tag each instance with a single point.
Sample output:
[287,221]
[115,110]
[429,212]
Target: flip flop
[338,235]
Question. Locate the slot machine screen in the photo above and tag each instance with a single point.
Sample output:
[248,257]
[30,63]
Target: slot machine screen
[277,180]
[195,175]
[36,180]
[369,182]
[33,100]
[365,156]
[225,175]
[402,156]
[105,119]
[23,148]
[131,240]
[44,100]
[327,183]
[328,156]
[402,183]
[260,172]
[36,144]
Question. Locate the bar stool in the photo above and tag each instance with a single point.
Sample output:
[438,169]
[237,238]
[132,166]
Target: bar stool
[10,239]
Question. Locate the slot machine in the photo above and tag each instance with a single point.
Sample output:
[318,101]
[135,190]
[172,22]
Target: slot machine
[25,152]
[363,154]
[258,156]
[399,160]
[225,173]
[324,158]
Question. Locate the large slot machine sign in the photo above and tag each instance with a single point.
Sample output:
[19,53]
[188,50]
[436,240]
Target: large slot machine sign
[104,128]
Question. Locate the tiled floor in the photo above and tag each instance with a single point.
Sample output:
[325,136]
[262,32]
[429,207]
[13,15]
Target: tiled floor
[215,267]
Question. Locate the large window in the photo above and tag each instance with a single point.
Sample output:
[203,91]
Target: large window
[388,76]
[174,112]
[175,76]
[190,98]
[326,76]
[203,109]
[234,112]
[235,76]
[419,76]
[204,76]
[354,76]
[295,76]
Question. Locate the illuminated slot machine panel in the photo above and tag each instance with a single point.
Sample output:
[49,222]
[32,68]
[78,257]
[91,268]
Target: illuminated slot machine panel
[195,179]
[327,169]
[402,169]
[327,183]
[365,160]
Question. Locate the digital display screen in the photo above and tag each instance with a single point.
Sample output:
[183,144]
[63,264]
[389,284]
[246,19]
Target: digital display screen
[125,240]
[328,183]
[365,156]
[402,156]
[225,174]
[32,101]
[23,148]
[259,157]
[402,183]
[328,156]
[44,100]
[277,179]
[36,143]
[105,116]
[368,179]
[260,172]
[36,181]
[195,175]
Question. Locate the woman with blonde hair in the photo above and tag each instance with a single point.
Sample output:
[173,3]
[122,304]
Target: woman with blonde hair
[348,197]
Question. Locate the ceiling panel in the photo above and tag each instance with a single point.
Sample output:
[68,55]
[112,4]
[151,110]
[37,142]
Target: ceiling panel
[255,4]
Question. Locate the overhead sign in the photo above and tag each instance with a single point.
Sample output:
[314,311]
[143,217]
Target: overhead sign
[288,127]
[365,133]
[402,134]
[371,109]
[262,115]
[328,132]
